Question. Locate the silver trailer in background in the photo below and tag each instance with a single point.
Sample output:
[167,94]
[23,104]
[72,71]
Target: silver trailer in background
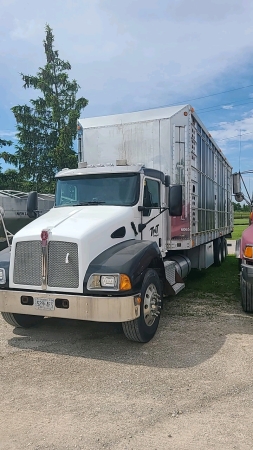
[13,212]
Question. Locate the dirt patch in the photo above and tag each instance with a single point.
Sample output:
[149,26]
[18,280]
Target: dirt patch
[78,385]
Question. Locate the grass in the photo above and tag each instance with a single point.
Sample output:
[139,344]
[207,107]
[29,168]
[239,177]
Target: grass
[240,221]
[238,229]
[219,281]
[241,215]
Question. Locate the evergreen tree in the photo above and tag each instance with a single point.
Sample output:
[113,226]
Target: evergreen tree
[3,143]
[47,128]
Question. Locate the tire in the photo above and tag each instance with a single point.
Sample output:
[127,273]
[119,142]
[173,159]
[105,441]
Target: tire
[246,295]
[144,327]
[217,252]
[21,320]
[224,249]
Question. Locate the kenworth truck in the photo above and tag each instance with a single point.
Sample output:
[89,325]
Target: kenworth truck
[150,199]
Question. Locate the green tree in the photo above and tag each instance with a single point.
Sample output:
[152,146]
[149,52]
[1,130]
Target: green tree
[3,143]
[237,206]
[246,208]
[47,128]
[10,179]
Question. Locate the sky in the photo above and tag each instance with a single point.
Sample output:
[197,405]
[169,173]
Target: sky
[140,54]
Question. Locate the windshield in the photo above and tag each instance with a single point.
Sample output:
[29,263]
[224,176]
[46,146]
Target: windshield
[105,189]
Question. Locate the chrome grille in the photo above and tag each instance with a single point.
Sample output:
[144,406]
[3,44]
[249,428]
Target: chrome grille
[63,269]
[63,264]
[28,263]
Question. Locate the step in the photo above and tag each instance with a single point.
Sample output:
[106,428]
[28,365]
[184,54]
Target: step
[177,287]
[170,271]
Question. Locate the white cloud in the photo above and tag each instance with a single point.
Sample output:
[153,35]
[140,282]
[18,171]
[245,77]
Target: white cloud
[227,107]
[24,30]
[123,53]
[10,134]
[235,138]
[235,130]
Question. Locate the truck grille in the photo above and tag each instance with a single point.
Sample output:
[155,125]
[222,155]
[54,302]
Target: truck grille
[28,263]
[63,266]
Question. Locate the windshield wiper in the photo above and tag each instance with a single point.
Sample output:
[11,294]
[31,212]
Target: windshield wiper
[95,202]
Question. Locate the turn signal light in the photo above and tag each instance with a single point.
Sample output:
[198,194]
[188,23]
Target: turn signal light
[248,251]
[125,283]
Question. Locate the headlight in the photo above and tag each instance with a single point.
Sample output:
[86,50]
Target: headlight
[110,282]
[2,276]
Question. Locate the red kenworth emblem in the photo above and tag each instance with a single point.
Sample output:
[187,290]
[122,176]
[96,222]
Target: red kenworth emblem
[44,238]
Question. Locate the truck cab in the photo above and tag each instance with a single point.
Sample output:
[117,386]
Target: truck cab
[98,254]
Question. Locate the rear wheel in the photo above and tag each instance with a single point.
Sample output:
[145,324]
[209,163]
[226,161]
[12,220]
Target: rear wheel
[144,327]
[217,252]
[224,249]
[21,320]
[246,295]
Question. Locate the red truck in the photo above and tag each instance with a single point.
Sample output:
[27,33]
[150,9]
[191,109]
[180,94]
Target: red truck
[244,246]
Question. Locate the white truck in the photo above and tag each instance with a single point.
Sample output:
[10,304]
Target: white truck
[150,199]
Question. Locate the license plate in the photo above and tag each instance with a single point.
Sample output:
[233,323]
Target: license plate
[47,304]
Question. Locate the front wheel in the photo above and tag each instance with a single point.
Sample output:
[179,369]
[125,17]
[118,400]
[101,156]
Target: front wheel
[246,295]
[144,327]
[21,320]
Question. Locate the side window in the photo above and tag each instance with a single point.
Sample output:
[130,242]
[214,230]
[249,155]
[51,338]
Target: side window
[151,195]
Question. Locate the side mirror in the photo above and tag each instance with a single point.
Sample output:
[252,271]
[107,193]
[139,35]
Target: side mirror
[32,205]
[237,183]
[237,190]
[175,200]
[167,180]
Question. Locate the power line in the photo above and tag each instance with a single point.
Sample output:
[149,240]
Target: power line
[232,137]
[197,98]
[220,107]
[212,95]
[232,105]
[204,96]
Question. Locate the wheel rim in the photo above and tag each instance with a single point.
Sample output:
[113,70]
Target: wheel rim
[151,305]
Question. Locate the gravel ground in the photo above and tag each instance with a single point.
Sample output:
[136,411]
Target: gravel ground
[78,385]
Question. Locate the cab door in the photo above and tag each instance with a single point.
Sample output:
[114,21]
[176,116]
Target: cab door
[152,198]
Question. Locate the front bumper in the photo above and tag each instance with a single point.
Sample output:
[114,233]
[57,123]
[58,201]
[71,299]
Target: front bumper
[98,309]
[247,273]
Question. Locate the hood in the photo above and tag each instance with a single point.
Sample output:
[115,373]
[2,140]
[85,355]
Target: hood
[90,227]
[77,222]
[247,238]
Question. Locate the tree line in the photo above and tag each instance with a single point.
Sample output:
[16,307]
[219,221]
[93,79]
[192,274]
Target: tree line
[46,127]
[241,208]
